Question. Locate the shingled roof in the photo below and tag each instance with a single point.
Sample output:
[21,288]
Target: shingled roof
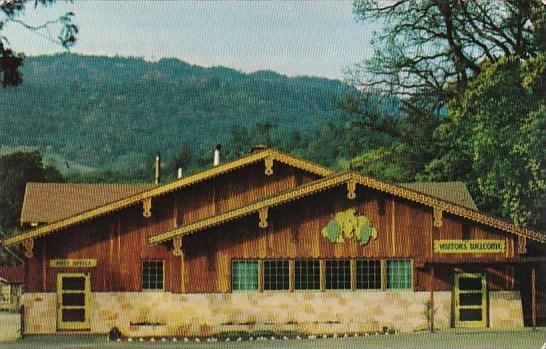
[50,202]
[454,192]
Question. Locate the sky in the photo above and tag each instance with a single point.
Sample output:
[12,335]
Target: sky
[315,38]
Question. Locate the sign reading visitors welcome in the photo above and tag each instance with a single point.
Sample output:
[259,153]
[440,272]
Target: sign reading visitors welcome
[469,246]
[73,263]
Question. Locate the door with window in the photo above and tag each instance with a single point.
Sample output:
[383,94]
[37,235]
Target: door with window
[470,300]
[73,290]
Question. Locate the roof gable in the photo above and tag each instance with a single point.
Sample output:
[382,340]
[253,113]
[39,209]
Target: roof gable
[259,155]
[351,178]
[71,198]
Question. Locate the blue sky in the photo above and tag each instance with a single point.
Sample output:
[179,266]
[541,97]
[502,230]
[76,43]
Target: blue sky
[317,38]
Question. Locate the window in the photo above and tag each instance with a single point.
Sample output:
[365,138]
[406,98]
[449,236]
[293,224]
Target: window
[368,274]
[276,275]
[152,275]
[338,274]
[399,274]
[5,293]
[307,275]
[244,276]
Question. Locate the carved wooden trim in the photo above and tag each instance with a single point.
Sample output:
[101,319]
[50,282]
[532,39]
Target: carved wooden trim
[168,187]
[263,215]
[29,248]
[268,165]
[323,184]
[351,189]
[438,217]
[147,207]
[522,244]
[177,244]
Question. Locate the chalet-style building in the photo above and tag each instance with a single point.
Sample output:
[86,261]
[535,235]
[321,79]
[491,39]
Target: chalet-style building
[274,242]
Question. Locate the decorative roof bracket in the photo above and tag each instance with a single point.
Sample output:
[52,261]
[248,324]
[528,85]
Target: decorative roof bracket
[351,189]
[263,215]
[177,243]
[29,248]
[147,207]
[268,166]
[522,244]
[437,215]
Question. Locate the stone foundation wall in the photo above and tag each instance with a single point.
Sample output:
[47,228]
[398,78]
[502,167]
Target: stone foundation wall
[505,310]
[166,314]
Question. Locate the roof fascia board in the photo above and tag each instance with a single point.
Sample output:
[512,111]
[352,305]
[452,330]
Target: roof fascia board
[325,183]
[168,187]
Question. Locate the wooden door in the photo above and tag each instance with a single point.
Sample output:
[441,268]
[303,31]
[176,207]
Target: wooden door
[73,294]
[470,300]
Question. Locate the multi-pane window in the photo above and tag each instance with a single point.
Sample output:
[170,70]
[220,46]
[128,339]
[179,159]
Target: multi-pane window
[338,274]
[276,275]
[399,274]
[152,275]
[307,275]
[244,276]
[368,274]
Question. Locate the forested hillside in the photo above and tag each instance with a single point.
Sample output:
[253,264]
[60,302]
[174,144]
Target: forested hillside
[116,112]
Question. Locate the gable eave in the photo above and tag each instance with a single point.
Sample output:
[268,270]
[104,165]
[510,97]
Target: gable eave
[338,179]
[252,158]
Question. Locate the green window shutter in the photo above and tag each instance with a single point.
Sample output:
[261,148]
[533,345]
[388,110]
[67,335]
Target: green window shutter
[399,274]
[245,276]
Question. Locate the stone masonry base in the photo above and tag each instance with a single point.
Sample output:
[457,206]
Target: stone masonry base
[167,314]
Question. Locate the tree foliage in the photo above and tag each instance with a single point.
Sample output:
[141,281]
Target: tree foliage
[428,50]
[495,138]
[16,170]
[11,12]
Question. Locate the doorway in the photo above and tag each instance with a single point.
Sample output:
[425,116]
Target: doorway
[73,291]
[470,300]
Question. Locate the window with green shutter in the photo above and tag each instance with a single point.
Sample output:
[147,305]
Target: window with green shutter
[399,274]
[244,275]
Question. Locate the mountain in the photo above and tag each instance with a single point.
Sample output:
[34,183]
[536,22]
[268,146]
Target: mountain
[98,111]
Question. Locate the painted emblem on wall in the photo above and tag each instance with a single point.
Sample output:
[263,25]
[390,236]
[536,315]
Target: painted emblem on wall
[347,225]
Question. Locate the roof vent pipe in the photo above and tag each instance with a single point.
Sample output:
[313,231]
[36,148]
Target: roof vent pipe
[216,160]
[157,168]
[179,173]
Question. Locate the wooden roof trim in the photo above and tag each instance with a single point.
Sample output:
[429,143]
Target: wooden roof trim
[449,207]
[326,183]
[168,187]
[301,191]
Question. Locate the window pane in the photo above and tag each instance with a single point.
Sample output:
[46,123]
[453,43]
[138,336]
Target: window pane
[276,275]
[74,283]
[399,274]
[152,275]
[307,275]
[368,274]
[245,275]
[338,274]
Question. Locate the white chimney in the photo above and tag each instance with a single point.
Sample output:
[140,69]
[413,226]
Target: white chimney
[157,168]
[179,174]
[216,160]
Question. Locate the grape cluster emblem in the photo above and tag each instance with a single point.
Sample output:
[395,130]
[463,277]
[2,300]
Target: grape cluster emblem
[347,225]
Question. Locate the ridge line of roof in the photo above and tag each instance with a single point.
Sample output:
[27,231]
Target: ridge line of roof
[324,183]
[168,187]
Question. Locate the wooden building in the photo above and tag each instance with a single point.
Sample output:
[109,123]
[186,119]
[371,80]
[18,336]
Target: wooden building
[270,241]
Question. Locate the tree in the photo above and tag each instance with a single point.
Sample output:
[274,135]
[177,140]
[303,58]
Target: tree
[10,12]
[428,50]
[16,170]
[495,138]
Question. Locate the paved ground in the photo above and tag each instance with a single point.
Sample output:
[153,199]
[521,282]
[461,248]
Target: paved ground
[525,339]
